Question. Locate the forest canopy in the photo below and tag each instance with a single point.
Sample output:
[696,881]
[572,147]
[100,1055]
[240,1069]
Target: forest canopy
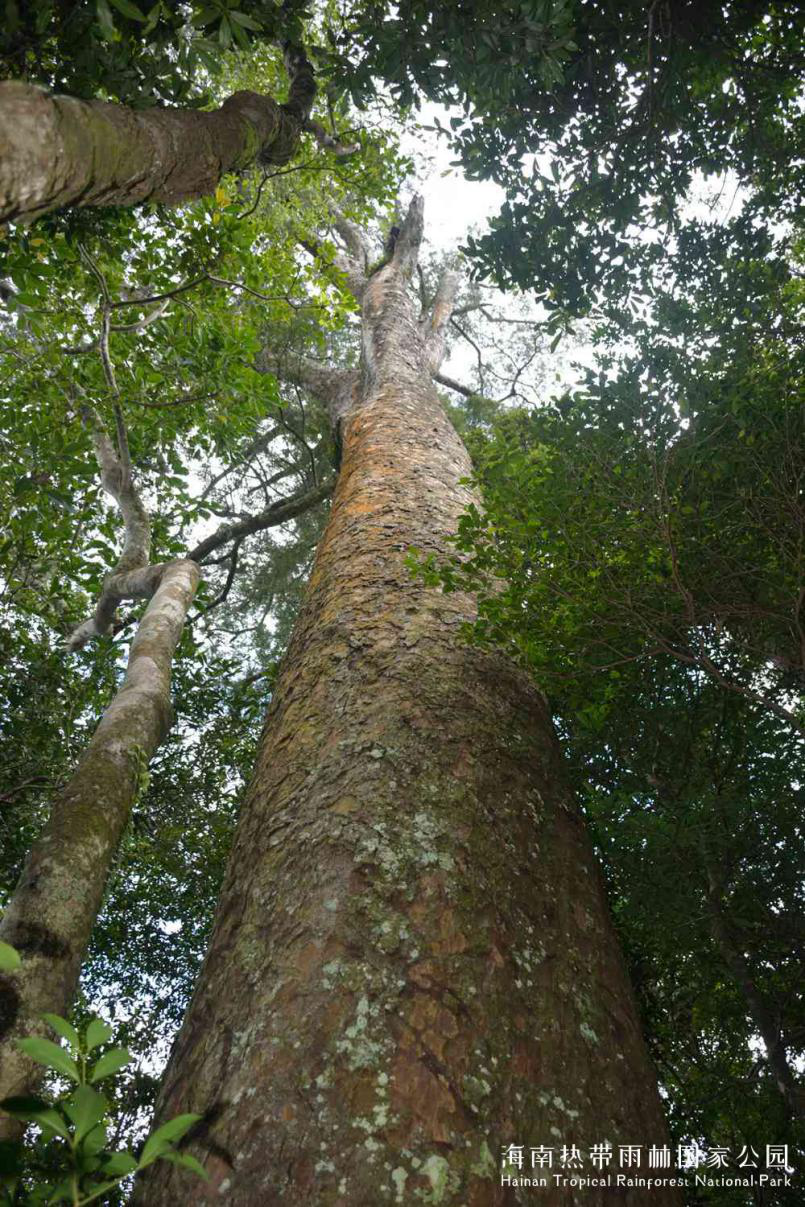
[620,349]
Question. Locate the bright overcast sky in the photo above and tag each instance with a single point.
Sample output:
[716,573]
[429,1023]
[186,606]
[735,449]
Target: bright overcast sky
[453,205]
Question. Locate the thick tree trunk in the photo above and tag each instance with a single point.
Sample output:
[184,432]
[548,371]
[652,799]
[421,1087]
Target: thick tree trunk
[57,151]
[412,964]
[53,909]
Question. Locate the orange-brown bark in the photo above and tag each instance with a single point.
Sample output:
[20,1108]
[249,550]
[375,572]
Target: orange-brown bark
[412,964]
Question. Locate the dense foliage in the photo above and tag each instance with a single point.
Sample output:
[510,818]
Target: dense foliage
[641,547]
[658,509]
[136,53]
[595,117]
[81,1167]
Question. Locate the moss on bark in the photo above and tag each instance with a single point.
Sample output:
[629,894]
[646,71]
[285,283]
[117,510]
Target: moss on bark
[412,963]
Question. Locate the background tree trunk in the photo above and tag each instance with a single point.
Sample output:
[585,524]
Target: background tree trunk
[728,943]
[412,963]
[52,911]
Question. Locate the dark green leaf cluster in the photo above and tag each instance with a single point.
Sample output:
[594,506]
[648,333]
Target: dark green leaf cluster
[658,509]
[629,103]
[134,51]
[693,801]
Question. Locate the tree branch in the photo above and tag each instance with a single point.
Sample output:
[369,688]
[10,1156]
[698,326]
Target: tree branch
[453,385]
[440,314]
[57,151]
[352,269]
[276,513]
[340,149]
[232,558]
[132,577]
[325,383]
[355,240]
[257,446]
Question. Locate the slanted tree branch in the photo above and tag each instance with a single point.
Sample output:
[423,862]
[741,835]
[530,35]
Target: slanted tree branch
[64,879]
[452,384]
[330,386]
[353,270]
[276,513]
[340,149]
[232,558]
[145,321]
[355,240]
[256,446]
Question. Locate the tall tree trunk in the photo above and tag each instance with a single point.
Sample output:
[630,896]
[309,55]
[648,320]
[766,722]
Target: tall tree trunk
[58,151]
[53,909]
[412,963]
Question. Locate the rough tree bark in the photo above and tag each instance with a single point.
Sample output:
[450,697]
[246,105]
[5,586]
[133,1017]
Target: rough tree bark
[57,151]
[412,963]
[50,915]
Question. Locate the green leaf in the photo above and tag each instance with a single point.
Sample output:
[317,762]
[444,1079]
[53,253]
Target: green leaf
[85,1108]
[64,1029]
[188,1160]
[95,1140]
[11,1164]
[243,19]
[162,1139]
[45,1052]
[61,1193]
[9,958]
[130,10]
[106,21]
[120,1164]
[35,1110]
[21,1105]
[98,1032]
[206,16]
[241,37]
[111,1062]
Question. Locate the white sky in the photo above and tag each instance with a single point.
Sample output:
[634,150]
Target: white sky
[453,205]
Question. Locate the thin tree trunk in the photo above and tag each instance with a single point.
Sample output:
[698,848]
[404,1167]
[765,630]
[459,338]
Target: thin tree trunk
[51,913]
[412,964]
[57,151]
[728,944]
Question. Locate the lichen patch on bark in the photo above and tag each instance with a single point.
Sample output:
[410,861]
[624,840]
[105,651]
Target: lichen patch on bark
[412,948]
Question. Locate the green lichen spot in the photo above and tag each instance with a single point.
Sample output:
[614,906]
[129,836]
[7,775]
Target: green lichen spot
[437,1171]
[399,1177]
[484,1167]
